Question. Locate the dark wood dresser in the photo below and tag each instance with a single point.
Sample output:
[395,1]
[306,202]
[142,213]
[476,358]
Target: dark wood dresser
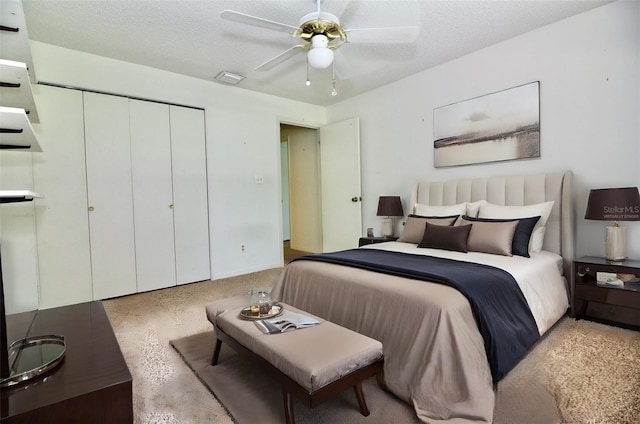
[92,384]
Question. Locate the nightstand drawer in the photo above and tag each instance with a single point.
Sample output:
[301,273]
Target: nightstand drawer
[627,298]
[608,295]
[592,293]
[373,240]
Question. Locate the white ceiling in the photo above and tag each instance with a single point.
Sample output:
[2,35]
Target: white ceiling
[190,38]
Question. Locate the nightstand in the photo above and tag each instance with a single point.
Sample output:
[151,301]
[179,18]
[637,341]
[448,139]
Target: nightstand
[374,240]
[586,290]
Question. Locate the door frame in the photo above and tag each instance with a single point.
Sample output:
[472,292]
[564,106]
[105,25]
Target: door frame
[296,123]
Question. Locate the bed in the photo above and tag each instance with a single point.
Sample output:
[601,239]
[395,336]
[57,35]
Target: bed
[436,348]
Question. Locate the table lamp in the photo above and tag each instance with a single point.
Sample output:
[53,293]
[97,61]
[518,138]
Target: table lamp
[614,204]
[389,206]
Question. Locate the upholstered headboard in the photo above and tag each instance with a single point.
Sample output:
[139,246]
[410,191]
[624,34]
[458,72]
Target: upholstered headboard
[514,191]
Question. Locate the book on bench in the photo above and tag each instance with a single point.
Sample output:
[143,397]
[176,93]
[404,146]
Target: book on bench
[286,322]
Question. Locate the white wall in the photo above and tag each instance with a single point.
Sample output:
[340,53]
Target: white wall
[243,139]
[589,72]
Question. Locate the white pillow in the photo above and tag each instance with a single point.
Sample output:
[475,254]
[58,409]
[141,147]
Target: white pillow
[445,210]
[543,210]
[474,207]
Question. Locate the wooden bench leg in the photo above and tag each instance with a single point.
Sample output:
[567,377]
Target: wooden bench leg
[288,407]
[216,352]
[360,396]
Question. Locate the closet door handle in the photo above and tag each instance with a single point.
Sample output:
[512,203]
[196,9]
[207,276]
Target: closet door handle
[171,206]
[91,208]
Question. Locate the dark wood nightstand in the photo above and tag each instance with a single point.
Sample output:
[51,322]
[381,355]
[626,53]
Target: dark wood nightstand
[587,290]
[374,240]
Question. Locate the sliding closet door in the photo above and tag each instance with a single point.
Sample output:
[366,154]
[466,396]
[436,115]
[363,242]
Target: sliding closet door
[108,158]
[62,224]
[152,195]
[191,217]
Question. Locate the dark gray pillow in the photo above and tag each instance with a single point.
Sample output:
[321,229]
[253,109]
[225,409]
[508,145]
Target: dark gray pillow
[447,238]
[414,226]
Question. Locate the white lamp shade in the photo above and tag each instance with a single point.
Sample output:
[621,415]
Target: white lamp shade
[320,57]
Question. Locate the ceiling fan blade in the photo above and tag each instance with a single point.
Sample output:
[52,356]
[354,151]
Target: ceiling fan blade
[389,35]
[285,55]
[243,18]
[335,7]
[342,69]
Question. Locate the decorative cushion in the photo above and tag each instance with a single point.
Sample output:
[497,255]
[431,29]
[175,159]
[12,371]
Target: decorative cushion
[491,237]
[444,210]
[474,207]
[447,238]
[520,244]
[415,225]
[543,210]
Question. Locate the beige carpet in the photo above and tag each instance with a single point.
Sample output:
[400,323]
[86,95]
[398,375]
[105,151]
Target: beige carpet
[592,370]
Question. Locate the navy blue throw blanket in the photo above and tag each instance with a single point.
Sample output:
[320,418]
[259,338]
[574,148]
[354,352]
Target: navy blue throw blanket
[499,307]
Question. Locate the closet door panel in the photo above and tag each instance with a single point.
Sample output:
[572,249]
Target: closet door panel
[152,195]
[191,216]
[108,159]
[62,222]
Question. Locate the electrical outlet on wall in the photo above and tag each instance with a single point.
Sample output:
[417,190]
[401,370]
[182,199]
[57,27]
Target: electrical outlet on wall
[243,248]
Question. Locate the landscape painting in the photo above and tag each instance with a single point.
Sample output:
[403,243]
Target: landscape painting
[495,127]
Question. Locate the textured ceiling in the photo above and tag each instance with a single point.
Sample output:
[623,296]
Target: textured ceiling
[190,38]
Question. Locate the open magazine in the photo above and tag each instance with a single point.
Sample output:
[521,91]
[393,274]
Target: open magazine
[286,322]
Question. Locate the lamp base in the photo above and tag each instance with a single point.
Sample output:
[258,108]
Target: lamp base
[614,244]
[387,227]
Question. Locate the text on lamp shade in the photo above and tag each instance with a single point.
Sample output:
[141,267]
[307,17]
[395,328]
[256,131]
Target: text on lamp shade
[619,212]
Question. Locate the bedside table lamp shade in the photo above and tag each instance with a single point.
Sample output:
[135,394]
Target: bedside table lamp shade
[389,206]
[614,204]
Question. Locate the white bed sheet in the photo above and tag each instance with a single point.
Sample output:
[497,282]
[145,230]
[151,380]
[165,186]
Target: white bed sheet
[539,277]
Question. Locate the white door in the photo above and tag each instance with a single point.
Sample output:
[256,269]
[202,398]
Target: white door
[340,181]
[152,195]
[191,212]
[284,177]
[62,224]
[108,158]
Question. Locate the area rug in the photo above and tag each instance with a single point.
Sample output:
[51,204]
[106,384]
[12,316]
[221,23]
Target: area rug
[595,371]
[581,372]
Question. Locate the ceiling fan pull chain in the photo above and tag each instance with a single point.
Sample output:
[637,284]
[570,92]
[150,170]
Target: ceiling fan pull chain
[333,71]
[308,83]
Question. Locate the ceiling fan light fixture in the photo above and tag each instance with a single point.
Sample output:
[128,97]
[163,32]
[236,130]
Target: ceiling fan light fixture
[320,56]
[229,77]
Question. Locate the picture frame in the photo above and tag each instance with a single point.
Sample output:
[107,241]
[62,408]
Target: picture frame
[499,126]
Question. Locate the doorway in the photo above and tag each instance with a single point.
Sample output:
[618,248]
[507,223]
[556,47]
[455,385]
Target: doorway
[301,207]
[324,191]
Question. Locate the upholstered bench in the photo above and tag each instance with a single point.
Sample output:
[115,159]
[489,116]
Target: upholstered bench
[314,364]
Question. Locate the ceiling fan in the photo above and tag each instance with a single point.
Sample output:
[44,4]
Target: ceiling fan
[321,33]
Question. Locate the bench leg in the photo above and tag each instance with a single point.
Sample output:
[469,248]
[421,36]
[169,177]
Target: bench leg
[360,396]
[216,352]
[288,407]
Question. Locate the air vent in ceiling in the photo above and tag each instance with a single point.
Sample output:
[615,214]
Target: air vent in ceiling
[229,78]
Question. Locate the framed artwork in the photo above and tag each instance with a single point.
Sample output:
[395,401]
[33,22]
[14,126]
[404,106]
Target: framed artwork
[494,127]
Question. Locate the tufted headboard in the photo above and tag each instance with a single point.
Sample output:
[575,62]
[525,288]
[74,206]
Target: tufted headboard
[517,191]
